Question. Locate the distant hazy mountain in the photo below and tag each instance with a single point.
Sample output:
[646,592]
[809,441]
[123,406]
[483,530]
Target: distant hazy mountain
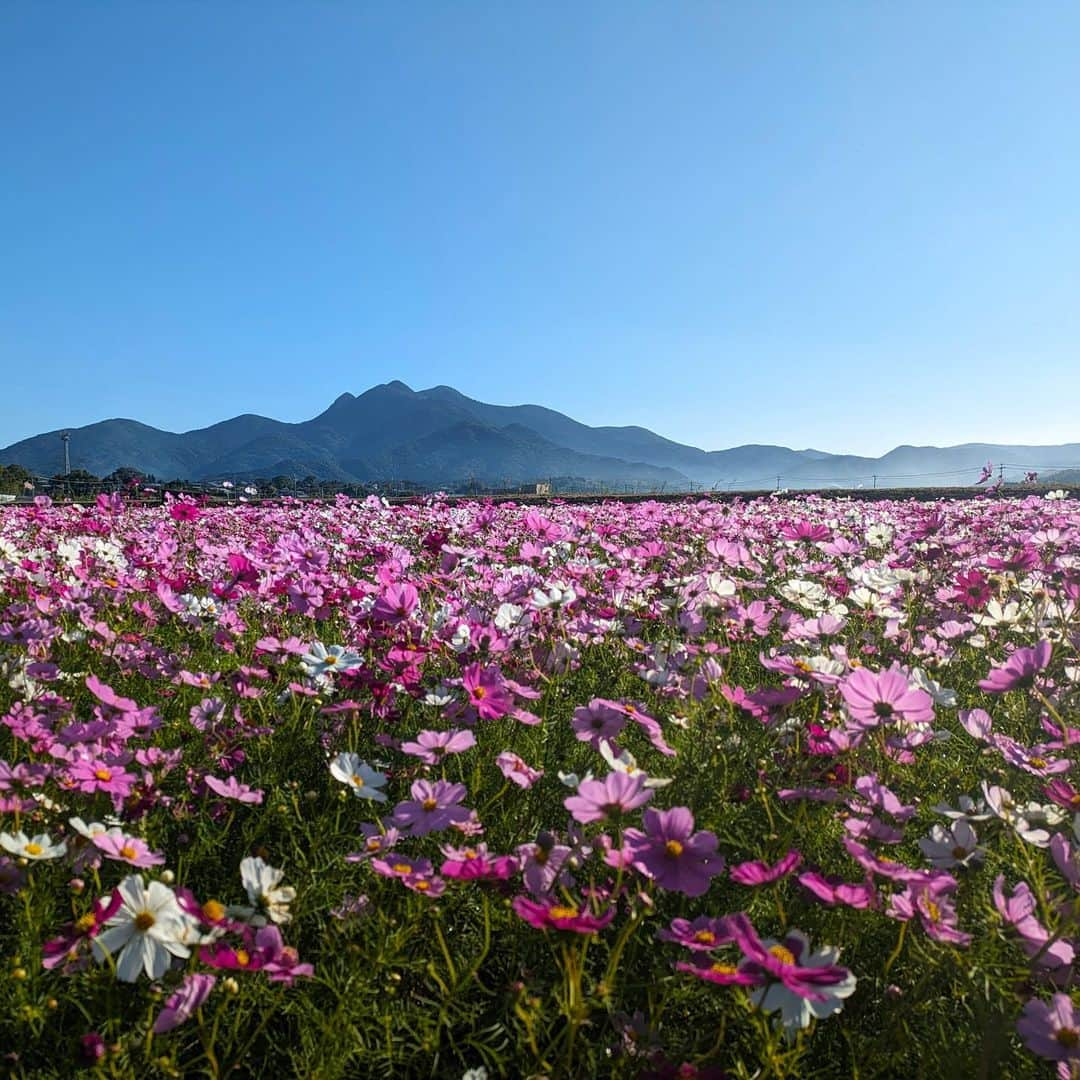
[441,438]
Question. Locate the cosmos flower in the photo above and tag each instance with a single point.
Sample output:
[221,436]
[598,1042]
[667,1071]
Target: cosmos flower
[364,781]
[616,795]
[147,931]
[671,853]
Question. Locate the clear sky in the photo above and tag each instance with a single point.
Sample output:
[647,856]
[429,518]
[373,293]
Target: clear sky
[838,225]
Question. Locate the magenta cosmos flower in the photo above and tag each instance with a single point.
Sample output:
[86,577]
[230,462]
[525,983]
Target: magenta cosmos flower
[487,691]
[672,854]
[618,793]
[759,873]
[181,1006]
[1051,1031]
[703,934]
[549,915]
[1019,671]
[434,806]
[884,697]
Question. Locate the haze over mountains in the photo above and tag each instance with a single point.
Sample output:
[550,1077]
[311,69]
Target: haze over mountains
[439,438]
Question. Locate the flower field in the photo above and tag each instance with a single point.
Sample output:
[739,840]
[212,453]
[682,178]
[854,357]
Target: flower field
[770,788]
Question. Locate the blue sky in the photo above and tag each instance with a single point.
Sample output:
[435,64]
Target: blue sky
[845,226]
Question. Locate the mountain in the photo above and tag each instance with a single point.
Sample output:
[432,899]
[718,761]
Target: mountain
[440,438]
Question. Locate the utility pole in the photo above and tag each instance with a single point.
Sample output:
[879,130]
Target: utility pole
[65,438]
[1001,474]
[875,481]
[778,482]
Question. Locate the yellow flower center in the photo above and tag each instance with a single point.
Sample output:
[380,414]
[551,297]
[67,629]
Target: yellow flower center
[1038,762]
[33,849]
[357,779]
[214,910]
[783,954]
[479,693]
[128,852]
[704,937]
[242,958]
[560,912]
[102,774]
[723,969]
[402,868]
[429,804]
[933,911]
[673,848]
[331,660]
[1067,1036]
[422,886]
[143,921]
[374,843]
[85,924]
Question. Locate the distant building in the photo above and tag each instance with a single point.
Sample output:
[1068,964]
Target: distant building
[543,489]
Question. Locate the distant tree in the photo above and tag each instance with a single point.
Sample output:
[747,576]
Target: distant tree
[13,479]
[126,475]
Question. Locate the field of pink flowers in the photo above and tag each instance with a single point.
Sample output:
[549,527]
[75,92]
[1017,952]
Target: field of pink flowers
[774,788]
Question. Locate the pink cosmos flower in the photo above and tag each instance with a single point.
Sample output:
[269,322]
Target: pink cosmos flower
[597,721]
[1019,671]
[129,849]
[672,854]
[552,915]
[96,775]
[181,1005]
[431,746]
[884,697]
[1018,911]
[1051,1031]
[833,890]
[929,901]
[618,793]
[517,770]
[395,603]
[543,864]
[434,806]
[759,873]
[233,789]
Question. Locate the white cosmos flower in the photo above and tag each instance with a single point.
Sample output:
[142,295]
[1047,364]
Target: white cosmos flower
[970,810]
[88,829]
[626,763]
[557,595]
[147,932]
[438,697]
[942,695]
[998,615]
[36,848]
[879,535]
[955,846]
[509,616]
[806,594]
[572,780]
[358,775]
[1055,496]
[319,659]
[261,882]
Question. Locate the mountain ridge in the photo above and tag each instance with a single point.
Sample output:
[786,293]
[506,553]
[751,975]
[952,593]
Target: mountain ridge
[439,437]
